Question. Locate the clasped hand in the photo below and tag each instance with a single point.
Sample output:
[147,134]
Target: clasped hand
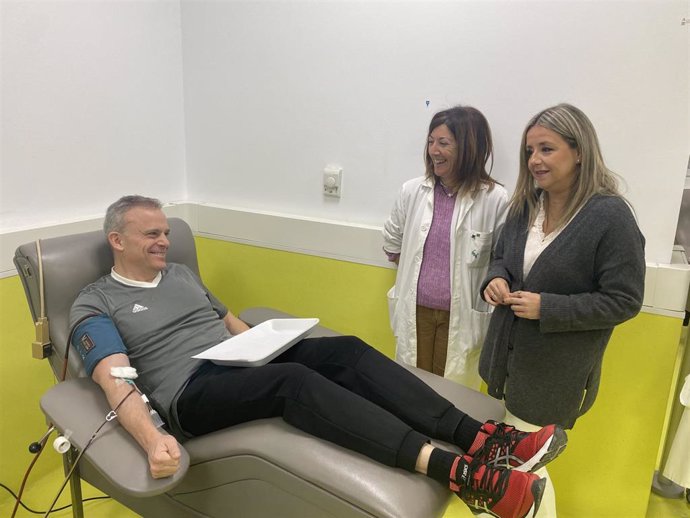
[524,304]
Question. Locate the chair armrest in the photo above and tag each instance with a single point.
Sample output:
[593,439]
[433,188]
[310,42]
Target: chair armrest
[79,407]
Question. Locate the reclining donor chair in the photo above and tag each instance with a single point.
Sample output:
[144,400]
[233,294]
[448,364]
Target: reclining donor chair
[264,468]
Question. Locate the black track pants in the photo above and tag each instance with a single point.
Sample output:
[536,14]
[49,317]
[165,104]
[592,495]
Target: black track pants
[336,388]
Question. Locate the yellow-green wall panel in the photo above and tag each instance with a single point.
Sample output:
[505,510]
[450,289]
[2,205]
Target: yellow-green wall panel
[605,472]
[347,297]
[22,382]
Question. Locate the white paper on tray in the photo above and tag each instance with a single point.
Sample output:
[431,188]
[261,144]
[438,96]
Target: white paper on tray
[261,343]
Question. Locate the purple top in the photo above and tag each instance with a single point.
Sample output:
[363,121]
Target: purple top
[433,286]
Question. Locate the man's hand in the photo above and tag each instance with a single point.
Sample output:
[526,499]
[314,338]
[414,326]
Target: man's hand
[524,304]
[164,457]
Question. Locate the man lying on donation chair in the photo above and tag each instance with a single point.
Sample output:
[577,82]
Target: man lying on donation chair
[155,316]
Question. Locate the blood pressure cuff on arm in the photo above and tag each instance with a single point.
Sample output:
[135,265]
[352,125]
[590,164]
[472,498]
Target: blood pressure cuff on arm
[96,338]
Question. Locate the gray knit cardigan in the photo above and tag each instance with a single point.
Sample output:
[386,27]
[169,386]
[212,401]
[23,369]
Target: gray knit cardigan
[590,278]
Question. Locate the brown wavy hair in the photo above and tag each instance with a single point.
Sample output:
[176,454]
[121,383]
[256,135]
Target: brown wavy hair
[474,149]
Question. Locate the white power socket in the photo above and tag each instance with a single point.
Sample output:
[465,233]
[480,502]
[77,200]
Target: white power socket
[332,181]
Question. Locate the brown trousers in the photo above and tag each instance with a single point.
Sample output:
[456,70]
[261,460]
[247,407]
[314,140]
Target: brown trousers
[432,339]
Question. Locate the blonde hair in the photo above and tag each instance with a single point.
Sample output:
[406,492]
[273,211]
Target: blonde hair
[592,175]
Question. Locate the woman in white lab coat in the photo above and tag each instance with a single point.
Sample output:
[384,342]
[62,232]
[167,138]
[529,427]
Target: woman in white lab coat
[440,233]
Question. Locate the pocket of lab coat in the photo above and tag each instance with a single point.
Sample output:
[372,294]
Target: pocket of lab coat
[478,252]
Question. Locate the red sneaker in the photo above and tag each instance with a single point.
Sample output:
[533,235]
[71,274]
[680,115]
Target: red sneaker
[503,446]
[503,493]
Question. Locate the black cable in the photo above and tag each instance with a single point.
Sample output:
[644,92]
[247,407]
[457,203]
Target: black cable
[33,511]
[37,447]
[42,443]
[111,415]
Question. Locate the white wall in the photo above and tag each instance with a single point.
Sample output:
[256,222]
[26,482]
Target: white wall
[91,107]
[275,91]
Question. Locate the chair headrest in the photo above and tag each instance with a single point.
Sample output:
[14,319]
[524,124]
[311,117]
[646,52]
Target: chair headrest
[72,262]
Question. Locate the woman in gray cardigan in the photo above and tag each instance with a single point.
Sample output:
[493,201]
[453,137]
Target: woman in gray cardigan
[568,267]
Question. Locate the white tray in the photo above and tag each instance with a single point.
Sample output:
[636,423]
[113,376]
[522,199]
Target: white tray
[260,344]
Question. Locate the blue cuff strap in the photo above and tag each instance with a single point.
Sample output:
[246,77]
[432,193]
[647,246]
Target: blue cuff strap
[95,339]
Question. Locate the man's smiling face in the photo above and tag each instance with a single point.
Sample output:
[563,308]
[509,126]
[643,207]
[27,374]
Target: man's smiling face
[143,243]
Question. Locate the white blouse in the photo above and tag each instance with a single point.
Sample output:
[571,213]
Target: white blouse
[537,241]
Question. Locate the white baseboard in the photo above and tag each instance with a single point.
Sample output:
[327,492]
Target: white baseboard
[336,240]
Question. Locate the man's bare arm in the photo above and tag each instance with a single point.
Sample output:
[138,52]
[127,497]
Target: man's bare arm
[162,450]
[234,324]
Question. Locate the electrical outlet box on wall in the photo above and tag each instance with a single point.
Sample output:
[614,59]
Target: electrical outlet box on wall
[332,181]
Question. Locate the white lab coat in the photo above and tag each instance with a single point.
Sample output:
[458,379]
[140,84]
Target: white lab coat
[474,230]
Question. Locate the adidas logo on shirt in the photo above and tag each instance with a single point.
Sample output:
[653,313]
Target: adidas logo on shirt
[137,308]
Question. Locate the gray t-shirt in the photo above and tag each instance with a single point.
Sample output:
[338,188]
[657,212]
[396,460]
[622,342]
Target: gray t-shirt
[162,328]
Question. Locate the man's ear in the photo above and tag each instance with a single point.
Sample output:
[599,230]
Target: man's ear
[115,240]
